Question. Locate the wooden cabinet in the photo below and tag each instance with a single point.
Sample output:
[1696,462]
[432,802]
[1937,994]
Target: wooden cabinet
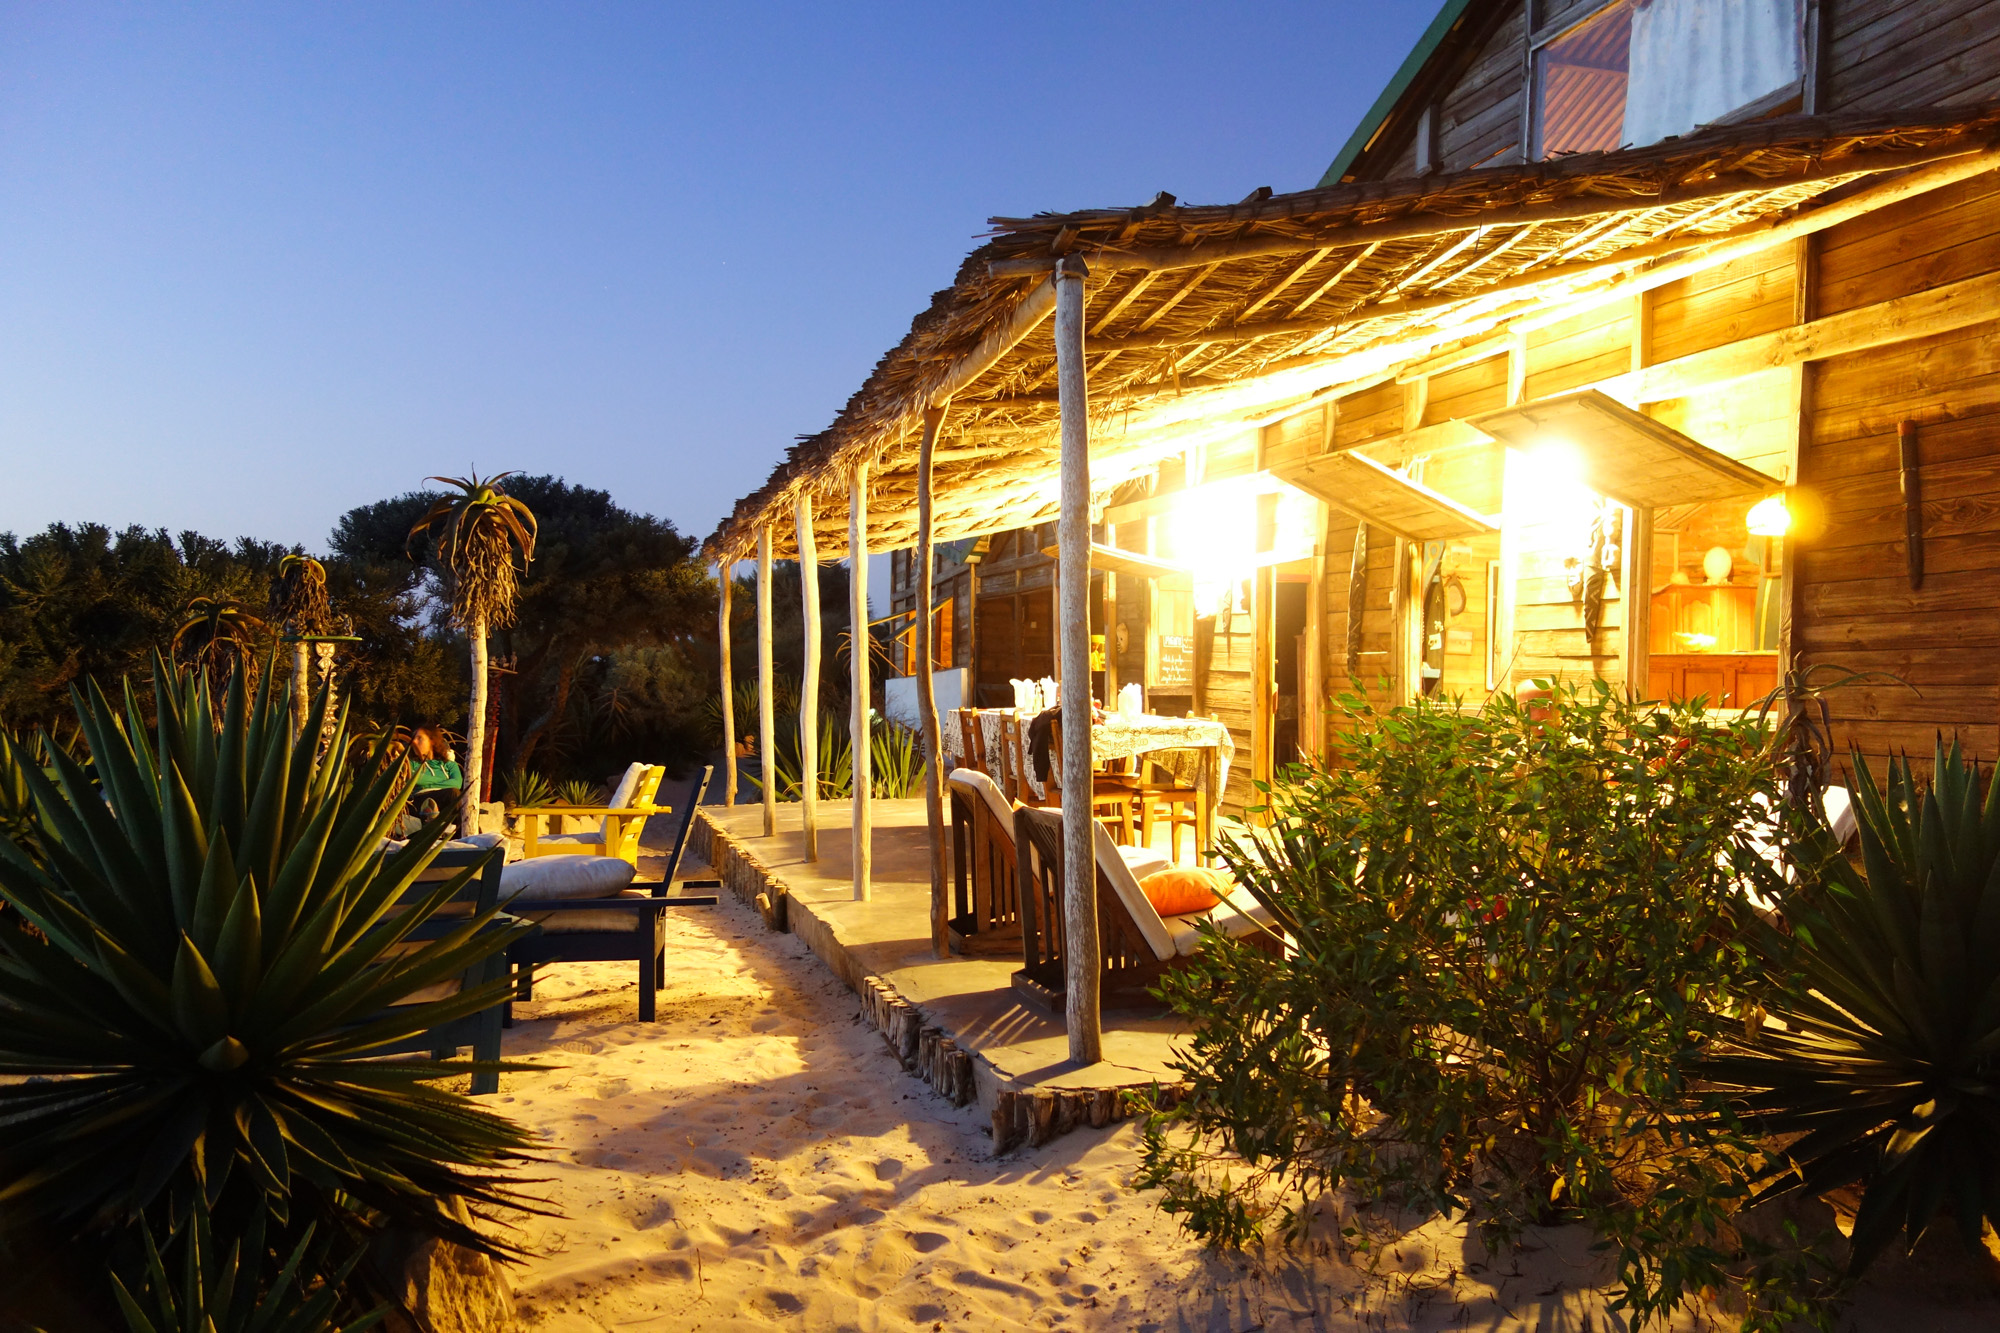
[1728,680]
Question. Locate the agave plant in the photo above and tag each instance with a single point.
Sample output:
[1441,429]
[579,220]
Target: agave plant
[227,1292]
[224,933]
[579,791]
[895,760]
[1885,1068]
[525,787]
[476,533]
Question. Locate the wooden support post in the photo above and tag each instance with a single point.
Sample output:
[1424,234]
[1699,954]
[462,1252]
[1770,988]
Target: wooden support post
[767,732]
[809,680]
[859,646]
[1081,955]
[1635,577]
[927,687]
[1111,681]
[723,571]
[1636,587]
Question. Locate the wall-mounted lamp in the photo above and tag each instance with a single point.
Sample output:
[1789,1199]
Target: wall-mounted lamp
[1769,517]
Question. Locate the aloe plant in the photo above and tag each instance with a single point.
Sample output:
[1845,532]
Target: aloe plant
[224,933]
[217,1291]
[1885,1068]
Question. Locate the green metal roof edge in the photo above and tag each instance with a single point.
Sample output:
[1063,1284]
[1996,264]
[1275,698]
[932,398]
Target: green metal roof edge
[1405,75]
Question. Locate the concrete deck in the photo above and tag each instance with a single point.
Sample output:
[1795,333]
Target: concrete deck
[956,1021]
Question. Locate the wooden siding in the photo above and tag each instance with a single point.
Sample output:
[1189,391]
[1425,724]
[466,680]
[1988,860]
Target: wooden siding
[1856,608]
[1880,55]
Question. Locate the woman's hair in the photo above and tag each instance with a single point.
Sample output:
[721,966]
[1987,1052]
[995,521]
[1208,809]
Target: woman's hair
[431,731]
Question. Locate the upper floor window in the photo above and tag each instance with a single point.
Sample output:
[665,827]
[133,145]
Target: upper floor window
[1634,72]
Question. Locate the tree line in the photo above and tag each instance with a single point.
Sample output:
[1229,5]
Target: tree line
[611,655]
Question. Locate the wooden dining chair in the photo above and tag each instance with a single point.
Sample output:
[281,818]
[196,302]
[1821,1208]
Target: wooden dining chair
[971,740]
[1110,793]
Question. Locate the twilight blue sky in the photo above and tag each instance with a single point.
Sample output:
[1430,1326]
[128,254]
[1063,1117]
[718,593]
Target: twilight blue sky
[261,263]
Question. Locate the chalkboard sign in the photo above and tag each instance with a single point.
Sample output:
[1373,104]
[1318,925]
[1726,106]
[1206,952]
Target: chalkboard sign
[1176,662]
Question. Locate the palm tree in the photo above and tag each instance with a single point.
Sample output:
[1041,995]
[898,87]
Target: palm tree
[474,536]
[216,633]
[300,608]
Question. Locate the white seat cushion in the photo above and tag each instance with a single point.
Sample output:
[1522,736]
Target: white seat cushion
[564,877]
[578,840]
[621,795]
[971,780]
[1236,916]
[1144,861]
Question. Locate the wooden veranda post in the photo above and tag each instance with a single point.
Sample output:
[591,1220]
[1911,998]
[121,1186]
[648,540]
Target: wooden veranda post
[927,687]
[809,680]
[1081,956]
[859,644]
[767,740]
[722,574]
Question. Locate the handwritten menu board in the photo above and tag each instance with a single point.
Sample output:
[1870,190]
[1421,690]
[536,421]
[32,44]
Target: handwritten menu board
[1176,672]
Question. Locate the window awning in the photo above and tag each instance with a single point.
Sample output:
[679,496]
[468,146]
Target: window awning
[1625,455]
[1121,561]
[1384,498]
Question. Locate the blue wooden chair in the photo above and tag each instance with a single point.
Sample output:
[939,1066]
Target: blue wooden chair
[629,926]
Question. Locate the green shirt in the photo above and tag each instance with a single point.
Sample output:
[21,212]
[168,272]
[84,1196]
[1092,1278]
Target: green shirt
[437,774]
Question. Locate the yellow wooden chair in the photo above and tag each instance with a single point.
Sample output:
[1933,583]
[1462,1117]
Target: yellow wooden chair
[619,823]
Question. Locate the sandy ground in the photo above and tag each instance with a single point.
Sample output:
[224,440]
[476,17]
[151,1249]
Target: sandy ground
[757,1159]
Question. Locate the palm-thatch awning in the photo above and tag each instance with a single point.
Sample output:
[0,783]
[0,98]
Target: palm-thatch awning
[1203,321]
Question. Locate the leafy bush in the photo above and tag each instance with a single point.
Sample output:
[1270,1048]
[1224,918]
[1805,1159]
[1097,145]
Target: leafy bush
[221,945]
[227,1292]
[1884,1072]
[1512,930]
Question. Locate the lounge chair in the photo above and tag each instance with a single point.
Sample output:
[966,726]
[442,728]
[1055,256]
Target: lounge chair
[987,894]
[619,823]
[627,925]
[481,1030]
[1136,944]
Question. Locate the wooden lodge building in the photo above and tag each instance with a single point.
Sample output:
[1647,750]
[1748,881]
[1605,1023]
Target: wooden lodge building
[1649,340]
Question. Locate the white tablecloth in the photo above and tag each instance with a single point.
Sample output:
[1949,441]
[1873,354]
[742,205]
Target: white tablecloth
[1195,750]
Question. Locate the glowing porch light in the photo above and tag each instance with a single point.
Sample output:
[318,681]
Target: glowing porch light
[1213,531]
[1546,489]
[1769,517]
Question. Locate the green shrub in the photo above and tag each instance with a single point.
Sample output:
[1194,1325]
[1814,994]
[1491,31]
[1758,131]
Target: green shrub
[1884,1070]
[206,1008]
[1512,932]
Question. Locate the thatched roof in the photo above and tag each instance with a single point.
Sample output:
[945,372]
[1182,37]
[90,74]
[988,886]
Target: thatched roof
[1283,293]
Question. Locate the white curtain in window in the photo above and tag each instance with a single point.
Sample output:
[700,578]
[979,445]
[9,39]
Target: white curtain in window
[1694,61]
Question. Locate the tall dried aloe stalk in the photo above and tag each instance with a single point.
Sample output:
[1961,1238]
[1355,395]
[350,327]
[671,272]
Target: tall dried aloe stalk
[299,606]
[474,535]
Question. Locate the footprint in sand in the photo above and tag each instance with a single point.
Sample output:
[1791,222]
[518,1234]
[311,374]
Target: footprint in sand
[888,1169]
[613,1088]
[924,1242]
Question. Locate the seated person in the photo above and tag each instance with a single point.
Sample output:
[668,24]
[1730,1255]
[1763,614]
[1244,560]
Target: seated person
[439,778]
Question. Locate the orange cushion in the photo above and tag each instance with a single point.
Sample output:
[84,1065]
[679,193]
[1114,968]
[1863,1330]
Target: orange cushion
[1178,892]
